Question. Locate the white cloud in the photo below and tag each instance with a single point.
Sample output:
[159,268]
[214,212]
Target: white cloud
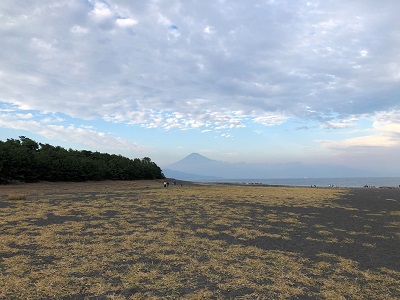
[270,119]
[24,116]
[79,31]
[364,53]
[385,132]
[101,11]
[340,124]
[208,31]
[362,141]
[163,20]
[43,45]
[388,122]
[52,119]
[128,22]
[70,133]
[205,66]
[394,71]
[240,68]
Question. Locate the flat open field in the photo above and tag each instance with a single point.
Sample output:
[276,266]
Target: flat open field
[138,240]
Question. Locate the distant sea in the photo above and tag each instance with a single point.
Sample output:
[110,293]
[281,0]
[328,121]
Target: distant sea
[321,182]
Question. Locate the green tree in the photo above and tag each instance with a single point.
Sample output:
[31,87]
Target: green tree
[18,160]
[26,160]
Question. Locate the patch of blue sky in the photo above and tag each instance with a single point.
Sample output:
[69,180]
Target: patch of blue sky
[10,133]
[7,106]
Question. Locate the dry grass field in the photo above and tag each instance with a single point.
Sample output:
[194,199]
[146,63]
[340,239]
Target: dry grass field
[138,240]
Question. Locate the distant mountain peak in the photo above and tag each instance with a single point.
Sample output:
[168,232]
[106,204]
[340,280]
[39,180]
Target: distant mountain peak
[192,167]
[195,155]
[195,158]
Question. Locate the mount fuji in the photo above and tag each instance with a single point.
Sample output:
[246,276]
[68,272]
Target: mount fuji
[198,167]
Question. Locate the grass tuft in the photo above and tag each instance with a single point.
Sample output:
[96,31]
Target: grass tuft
[13,197]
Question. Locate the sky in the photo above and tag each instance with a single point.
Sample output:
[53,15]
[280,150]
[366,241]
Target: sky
[269,81]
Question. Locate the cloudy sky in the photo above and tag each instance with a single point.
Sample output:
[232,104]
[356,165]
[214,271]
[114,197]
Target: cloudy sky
[240,81]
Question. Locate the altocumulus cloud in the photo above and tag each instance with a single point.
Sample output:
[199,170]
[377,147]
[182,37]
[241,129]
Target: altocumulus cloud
[203,65]
[53,127]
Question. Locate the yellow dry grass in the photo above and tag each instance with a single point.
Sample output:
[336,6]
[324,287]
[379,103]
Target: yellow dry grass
[140,241]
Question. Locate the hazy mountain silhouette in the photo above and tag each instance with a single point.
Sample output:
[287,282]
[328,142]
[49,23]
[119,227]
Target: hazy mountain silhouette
[192,160]
[198,167]
[193,167]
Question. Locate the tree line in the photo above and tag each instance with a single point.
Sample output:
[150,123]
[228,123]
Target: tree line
[28,161]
